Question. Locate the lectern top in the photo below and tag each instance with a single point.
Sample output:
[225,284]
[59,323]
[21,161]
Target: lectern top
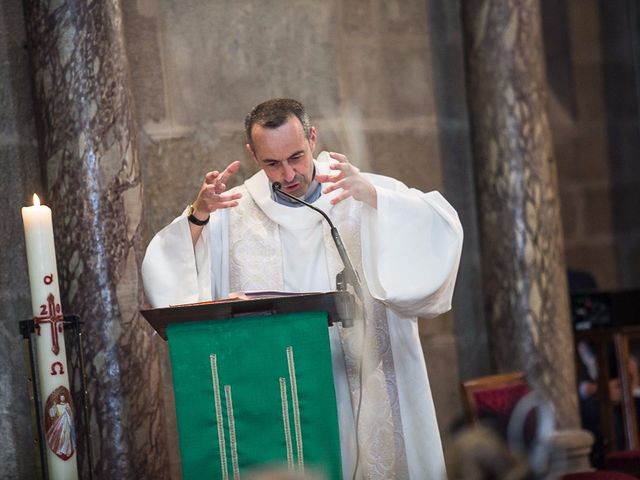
[338,305]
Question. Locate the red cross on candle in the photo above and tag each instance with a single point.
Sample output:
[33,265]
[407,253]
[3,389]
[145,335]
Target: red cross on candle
[50,313]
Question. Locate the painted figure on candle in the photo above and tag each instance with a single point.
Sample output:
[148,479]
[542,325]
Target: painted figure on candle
[61,436]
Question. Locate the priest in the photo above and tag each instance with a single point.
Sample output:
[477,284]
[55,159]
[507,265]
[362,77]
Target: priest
[406,244]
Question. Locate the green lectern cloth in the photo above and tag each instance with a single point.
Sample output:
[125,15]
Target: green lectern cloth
[255,391]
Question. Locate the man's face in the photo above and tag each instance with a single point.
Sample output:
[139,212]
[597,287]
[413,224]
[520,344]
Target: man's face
[285,154]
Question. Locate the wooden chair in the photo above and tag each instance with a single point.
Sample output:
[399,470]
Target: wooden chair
[616,360]
[493,394]
[490,400]
[628,381]
[628,460]
[624,458]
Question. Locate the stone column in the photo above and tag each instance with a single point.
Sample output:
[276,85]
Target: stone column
[92,180]
[522,249]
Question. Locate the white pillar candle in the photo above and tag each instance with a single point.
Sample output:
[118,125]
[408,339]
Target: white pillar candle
[57,406]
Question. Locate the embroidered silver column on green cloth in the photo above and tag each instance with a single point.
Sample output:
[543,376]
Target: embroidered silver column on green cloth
[255,391]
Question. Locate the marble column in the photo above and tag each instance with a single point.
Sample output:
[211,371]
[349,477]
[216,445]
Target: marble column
[92,183]
[522,249]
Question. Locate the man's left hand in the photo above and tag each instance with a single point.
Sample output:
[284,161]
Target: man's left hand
[350,180]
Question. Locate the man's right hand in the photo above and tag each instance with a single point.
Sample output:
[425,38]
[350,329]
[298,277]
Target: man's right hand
[212,197]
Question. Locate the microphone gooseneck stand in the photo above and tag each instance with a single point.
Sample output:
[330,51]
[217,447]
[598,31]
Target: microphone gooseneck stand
[348,276]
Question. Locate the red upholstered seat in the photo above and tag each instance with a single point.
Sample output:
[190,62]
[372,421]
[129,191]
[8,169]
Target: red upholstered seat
[491,399]
[626,461]
[599,475]
[499,400]
[493,394]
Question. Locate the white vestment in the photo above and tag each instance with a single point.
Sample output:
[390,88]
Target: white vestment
[407,252]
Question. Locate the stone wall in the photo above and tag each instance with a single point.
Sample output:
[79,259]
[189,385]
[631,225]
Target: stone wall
[365,70]
[364,74]
[594,113]
[620,26]
[577,115]
[469,331]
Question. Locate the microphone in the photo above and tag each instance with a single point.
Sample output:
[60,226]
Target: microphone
[349,274]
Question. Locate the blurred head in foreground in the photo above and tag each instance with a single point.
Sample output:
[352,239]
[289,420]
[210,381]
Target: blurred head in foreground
[280,473]
[478,454]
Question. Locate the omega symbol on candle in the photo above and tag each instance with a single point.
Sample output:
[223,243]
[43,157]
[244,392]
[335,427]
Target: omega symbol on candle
[59,366]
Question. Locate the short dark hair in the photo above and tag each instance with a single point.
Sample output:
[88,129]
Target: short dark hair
[275,113]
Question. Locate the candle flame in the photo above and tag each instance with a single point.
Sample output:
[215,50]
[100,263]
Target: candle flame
[36,200]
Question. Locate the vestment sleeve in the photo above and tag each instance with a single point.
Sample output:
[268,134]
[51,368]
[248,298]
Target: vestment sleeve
[411,246]
[173,271]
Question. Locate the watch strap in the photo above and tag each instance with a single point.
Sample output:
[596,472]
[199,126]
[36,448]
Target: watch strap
[196,221]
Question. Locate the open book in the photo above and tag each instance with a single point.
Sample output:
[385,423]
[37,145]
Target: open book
[250,295]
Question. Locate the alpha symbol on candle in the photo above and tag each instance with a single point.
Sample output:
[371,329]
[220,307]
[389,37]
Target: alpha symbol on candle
[48,279]
[50,313]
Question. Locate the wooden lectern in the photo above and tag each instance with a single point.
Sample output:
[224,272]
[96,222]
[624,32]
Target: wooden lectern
[253,383]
